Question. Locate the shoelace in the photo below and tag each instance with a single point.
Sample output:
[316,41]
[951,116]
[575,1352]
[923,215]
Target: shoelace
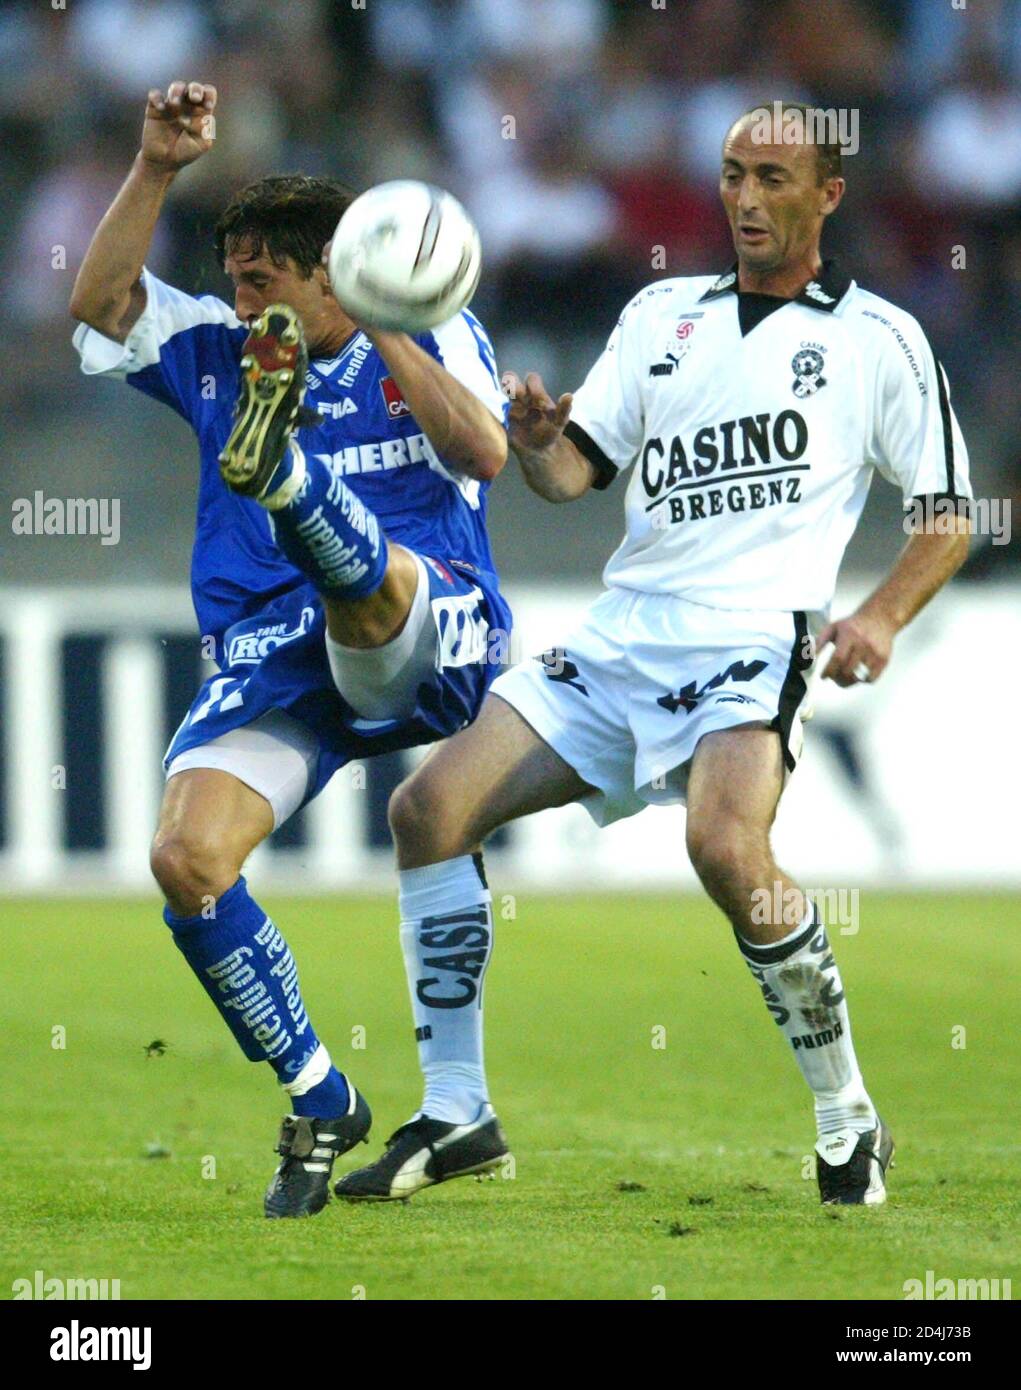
[400,1133]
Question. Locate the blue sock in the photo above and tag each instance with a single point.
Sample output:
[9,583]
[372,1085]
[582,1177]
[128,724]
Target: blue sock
[246,968]
[325,530]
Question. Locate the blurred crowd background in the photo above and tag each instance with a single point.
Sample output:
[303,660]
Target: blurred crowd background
[581,134]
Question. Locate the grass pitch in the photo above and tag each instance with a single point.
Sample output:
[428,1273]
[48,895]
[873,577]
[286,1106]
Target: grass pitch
[642,1171]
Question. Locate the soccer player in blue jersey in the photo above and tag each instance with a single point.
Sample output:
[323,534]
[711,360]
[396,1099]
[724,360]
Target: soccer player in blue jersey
[341,567]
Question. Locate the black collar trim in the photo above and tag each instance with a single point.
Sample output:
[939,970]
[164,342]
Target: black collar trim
[824,293]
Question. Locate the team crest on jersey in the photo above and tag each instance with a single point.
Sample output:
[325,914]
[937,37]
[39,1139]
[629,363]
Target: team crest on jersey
[807,364]
[395,403]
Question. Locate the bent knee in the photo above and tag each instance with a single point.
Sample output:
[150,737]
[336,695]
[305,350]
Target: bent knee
[725,854]
[424,824]
[190,871]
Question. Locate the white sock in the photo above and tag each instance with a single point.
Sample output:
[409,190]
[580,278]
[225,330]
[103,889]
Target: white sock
[803,991]
[292,484]
[447,939]
[316,1069]
[383,682]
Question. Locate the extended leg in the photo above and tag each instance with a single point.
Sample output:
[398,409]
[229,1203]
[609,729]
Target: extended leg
[209,824]
[492,772]
[375,593]
[733,790]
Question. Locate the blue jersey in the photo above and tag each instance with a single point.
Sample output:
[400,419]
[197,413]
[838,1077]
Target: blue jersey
[266,618]
[186,352]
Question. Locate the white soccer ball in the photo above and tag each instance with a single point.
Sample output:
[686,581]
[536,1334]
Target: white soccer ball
[405,256]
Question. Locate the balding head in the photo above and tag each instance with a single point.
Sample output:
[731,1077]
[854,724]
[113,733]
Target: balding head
[777,189]
[794,123]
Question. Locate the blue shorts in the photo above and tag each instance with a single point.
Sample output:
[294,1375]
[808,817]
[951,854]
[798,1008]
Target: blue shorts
[278,661]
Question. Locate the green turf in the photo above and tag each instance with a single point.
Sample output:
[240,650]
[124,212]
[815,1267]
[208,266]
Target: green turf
[638,1169]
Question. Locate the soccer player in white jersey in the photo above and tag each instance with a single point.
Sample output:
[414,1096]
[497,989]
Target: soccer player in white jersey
[752,409]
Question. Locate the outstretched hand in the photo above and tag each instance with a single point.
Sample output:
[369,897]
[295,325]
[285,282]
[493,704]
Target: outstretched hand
[536,420]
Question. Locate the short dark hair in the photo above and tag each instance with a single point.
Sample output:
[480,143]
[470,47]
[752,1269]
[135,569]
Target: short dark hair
[284,215]
[828,154]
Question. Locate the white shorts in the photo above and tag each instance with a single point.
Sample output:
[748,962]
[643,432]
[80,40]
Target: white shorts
[626,698]
[275,755]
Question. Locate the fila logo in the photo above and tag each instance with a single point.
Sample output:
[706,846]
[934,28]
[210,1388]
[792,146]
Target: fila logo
[337,409]
[395,403]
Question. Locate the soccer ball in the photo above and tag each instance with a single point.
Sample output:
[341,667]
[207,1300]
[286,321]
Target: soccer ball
[405,256]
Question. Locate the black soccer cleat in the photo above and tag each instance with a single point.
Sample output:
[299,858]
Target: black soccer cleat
[852,1167]
[424,1152]
[308,1148]
[274,361]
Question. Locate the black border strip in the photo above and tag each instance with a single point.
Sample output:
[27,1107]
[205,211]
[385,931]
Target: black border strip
[793,690]
[780,950]
[947,418]
[606,469]
[930,500]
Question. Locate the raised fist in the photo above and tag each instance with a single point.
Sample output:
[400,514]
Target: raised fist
[179,126]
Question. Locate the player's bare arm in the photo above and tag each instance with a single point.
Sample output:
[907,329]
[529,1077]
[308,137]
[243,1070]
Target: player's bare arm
[459,427]
[108,294]
[457,424]
[552,465]
[865,638]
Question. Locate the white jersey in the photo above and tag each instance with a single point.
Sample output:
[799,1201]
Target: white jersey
[754,426]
